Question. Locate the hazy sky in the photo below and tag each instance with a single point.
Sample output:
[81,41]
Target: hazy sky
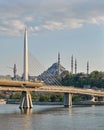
[66,26]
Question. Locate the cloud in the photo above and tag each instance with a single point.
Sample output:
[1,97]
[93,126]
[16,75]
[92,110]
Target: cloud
[96,20]
[11,27]
[48,15]
[28,19]
[65,24]
[52,25]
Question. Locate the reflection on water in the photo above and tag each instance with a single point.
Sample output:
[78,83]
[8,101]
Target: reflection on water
[26,111]
[51,118]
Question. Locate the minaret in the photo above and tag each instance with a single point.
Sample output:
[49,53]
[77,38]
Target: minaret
[87,68]
[58,64]
[72,64]
[15,71]
[25,56]
[75,66]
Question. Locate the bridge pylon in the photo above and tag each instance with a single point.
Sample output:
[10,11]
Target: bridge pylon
[26,100]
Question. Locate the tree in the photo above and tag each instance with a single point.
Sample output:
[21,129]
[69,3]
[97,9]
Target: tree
[44,98]
[56,97]
[16,95]
[95,78]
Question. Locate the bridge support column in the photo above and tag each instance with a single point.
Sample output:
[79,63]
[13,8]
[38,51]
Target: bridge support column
[93,98]
[102,98]
[67,99]
[26,100]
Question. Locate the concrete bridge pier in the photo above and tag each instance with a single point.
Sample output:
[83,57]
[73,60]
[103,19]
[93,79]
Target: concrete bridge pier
[93,98]
[26,100]
[101,98]
[67,99]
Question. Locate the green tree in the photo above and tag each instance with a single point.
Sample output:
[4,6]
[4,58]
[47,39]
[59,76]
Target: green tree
[16,95]
[44,98]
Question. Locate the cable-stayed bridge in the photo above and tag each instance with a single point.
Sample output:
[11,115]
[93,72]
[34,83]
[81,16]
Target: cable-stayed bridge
[26,86]
[22,86]
[6,85]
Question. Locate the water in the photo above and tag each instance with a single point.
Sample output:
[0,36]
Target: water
[52,118]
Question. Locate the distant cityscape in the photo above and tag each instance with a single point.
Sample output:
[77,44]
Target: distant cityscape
[55,70]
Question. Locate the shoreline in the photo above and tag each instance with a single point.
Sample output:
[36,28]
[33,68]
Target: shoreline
[17,101]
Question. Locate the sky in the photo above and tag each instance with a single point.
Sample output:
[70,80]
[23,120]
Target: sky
[71,27]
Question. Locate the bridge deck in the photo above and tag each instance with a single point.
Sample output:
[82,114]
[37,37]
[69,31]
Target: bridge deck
[11,83]
[56,89]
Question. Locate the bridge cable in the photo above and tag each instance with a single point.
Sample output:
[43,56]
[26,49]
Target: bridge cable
[45,75]
[37,66]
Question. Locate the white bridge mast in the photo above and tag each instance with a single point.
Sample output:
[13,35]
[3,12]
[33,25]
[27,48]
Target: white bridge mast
[26,100]
[25,56]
